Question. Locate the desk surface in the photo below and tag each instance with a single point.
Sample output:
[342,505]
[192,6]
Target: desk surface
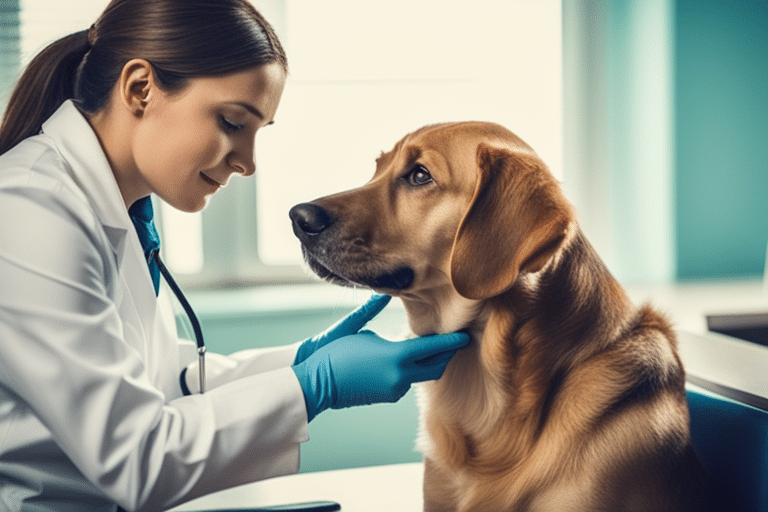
[715,358]
[687,304]
[374,489]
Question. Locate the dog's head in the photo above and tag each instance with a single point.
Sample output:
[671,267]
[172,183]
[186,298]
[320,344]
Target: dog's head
[465,205]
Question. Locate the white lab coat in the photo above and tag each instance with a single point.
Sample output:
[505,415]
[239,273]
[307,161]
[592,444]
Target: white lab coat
[91,410]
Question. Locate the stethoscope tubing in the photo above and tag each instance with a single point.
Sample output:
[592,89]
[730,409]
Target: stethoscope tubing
[192,318]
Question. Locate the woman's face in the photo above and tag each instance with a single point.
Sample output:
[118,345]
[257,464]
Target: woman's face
[190,143]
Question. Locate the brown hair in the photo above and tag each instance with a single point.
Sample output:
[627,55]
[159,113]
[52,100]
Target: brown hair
[181,39]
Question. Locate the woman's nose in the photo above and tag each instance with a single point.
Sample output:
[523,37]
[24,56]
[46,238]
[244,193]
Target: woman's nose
[243,161]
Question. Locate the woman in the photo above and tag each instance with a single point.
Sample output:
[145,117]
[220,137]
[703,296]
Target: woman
[158,97]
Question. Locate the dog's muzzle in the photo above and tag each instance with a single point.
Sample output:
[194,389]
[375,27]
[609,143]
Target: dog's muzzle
[334,260]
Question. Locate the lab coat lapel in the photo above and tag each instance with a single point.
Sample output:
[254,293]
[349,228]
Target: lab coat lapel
[80,148]
[144,326]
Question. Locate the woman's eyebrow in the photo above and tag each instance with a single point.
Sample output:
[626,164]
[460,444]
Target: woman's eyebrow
[250,108]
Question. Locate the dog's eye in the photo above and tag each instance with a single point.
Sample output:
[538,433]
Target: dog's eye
[418,176]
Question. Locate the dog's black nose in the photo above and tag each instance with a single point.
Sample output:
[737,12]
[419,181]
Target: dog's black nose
[309,219]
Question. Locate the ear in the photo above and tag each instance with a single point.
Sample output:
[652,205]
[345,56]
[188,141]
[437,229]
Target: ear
[517,220]
[137,85]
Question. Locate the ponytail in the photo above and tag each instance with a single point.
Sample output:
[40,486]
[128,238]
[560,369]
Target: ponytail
[47,82]
[181,39]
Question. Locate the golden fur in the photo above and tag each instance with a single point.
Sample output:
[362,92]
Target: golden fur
[568,398]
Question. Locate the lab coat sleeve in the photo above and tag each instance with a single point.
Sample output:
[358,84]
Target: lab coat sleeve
[221,369]
[62,352]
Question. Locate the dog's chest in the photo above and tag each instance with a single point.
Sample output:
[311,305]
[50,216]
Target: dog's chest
[458,407]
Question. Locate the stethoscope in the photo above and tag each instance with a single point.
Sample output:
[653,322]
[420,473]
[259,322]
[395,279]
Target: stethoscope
[192,318]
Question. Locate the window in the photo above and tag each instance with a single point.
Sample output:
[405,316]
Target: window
[43,22]
[362,74]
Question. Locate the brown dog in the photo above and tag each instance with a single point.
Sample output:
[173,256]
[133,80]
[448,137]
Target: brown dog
[568,398]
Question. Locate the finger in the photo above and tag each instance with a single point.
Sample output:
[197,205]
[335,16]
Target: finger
[436,359]
[432,367]
[357,319]
[354,321]
[421,348]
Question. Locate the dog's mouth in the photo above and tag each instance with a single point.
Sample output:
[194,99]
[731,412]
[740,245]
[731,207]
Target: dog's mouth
[340,259]
[401,278]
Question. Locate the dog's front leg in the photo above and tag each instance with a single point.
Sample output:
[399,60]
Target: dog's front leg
[439,491]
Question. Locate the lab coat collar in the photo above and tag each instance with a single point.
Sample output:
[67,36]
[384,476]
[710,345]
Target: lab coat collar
[78,145]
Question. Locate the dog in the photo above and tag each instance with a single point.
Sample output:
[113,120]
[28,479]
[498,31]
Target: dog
[568,397]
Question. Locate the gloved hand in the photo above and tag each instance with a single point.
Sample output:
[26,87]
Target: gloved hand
[363,369]
[350,324]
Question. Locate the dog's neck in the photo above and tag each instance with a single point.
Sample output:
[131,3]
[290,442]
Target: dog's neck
[560,299]
[439,310]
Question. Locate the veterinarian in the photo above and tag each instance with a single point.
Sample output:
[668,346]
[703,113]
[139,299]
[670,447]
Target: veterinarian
[101,404]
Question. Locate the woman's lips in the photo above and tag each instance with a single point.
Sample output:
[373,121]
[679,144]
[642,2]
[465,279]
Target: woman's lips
[211,181]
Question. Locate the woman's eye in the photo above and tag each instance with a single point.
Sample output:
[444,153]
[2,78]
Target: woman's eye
[230,126]
[418,176]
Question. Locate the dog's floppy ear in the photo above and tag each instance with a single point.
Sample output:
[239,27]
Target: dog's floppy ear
[517,220]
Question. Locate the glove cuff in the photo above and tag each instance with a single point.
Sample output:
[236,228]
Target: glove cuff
[309,385]
[304,350]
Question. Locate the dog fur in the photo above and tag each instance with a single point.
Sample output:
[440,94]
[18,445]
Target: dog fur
[569,397]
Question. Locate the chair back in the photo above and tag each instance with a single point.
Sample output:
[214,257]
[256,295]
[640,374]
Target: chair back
[732,440]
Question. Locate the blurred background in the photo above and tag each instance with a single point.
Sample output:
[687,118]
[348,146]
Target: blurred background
[652,113]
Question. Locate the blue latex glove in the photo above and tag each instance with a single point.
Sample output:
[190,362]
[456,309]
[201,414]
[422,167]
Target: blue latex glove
[363,369]
[350,324]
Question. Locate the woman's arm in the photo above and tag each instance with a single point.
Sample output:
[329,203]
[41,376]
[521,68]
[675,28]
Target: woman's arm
[64,357]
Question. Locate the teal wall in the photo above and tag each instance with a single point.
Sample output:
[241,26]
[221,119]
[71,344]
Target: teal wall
[721,133]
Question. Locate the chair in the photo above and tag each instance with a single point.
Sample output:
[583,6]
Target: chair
[732,440]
